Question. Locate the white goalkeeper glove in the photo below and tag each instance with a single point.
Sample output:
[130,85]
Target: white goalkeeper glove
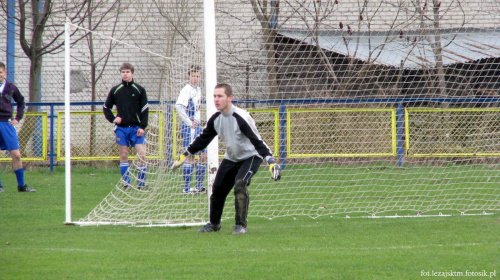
[180,160]
[274,168]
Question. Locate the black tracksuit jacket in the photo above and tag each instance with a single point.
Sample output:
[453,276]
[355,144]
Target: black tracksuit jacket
[131,104]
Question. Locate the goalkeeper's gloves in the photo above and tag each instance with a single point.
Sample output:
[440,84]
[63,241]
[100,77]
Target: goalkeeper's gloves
[274,168]
[180,160]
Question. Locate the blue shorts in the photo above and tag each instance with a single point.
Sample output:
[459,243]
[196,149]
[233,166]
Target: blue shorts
[8,137]
[127,136]
[189,134]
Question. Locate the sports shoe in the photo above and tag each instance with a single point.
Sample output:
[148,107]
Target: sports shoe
[240,229]
[1,189]
[144,188]
[209,228]
[188,191]
[127,187]
[25,188]
[200,190]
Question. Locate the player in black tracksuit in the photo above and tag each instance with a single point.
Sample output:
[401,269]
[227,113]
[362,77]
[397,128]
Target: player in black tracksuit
[131,121]
[244,153]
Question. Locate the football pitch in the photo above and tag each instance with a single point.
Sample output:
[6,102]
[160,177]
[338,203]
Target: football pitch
[35,243]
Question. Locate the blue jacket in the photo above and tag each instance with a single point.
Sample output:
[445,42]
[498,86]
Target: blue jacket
[10,91]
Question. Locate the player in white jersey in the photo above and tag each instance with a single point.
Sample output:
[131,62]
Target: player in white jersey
[188,107]
[244,153]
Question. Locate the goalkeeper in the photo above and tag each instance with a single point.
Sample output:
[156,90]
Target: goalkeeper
[244,153]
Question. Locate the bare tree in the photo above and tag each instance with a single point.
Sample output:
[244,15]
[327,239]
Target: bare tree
[41,25]
[435,43]
[40,30]
[430,31]
[183,21]
[320,20]
[318,13]
[100,13]
[267,12]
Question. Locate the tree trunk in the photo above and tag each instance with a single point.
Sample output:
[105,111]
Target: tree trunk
[269,36]
[28,128]
[438,52]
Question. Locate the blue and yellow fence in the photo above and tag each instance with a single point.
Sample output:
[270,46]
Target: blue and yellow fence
[313,128]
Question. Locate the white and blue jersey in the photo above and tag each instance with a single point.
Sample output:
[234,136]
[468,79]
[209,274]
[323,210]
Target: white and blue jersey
[188,106]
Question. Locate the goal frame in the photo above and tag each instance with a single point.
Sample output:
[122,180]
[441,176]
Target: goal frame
[210,82]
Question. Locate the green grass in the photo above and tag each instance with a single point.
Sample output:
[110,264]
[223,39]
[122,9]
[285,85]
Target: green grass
[35,243]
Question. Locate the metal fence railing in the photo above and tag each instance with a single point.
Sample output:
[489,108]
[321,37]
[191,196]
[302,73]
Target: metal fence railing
[40,133]
[294,129]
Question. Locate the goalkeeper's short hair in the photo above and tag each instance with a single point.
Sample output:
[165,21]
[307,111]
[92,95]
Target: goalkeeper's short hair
[227,89]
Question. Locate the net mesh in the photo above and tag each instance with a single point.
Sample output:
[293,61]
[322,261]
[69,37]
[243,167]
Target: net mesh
[371,107]
[163,201]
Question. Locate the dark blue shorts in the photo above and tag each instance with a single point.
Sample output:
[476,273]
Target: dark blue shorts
[127,136]
[189,134]
[8,137]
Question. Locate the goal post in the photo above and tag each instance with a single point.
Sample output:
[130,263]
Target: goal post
[67,108]
[210,82]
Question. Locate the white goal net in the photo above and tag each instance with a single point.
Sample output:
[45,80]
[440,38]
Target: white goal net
[373,108]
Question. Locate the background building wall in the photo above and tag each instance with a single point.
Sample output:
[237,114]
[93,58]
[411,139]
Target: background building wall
[167,27]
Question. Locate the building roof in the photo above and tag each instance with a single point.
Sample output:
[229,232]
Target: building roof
[409,49]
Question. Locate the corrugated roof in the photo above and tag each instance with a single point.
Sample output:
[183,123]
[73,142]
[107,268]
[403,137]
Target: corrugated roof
[413,49]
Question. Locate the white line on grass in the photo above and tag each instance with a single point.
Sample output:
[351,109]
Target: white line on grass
[60,250]
[404,247]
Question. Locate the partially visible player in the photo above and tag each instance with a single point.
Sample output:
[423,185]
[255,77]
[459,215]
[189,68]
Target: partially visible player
[130,122]
[8,134]
[188,107]
[244,153]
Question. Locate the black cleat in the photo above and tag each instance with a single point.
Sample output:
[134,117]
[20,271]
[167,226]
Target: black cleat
[25,188]
[209,228]
[144,188]
[1,189]
[200,190]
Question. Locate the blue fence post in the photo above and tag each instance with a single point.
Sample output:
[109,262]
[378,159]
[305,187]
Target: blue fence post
[400,131]
[282,140]
[11,40]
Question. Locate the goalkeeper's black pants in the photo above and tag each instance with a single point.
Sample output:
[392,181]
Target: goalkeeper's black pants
[239,175]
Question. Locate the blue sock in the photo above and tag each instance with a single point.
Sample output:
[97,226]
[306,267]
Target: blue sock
[0,182]
[20,176]
[201,168]
[187,171]
[141,176]
[124,171]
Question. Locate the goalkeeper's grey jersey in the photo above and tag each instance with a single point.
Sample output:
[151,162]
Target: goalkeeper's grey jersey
[238,131]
